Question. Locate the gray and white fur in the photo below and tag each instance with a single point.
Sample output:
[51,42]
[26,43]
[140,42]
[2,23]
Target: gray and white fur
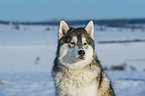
[77,70]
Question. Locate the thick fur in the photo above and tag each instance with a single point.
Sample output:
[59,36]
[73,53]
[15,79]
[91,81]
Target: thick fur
[75,72]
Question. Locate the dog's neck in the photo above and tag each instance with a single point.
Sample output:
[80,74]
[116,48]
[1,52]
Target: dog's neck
[63,66]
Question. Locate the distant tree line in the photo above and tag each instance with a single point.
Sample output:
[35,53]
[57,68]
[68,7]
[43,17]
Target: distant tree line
[108,22]
[121,67]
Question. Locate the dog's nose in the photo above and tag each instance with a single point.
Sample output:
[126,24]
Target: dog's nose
[81,52]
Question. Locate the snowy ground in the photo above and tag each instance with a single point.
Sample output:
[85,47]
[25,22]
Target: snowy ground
[26,59]
[41,84]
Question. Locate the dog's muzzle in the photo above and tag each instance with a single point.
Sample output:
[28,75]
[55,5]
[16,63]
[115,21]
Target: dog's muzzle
[81,54]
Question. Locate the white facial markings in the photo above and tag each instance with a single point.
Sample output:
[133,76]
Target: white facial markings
[63,50]
[70,57]
[73,41]
[74,50]
[84,40]
[73,53]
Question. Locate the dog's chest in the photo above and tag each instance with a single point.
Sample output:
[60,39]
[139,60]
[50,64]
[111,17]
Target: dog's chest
[77,83]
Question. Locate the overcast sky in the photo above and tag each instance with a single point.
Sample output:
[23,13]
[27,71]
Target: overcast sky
[46,10]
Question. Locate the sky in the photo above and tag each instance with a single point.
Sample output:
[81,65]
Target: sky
[47,10]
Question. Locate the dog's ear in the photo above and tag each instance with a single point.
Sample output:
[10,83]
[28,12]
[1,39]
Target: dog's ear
[63,28]
[90,28]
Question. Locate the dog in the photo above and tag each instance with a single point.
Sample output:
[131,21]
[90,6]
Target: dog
[77,70]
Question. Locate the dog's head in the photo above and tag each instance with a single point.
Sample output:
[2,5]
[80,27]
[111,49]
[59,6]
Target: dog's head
[76,45]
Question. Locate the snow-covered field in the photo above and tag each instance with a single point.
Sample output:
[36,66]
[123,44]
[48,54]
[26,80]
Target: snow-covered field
[26,59]
[41,84]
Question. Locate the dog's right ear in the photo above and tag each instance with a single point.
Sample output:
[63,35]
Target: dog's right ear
[63,28]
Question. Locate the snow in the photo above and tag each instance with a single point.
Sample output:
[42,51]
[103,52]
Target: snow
[27,54]
[128,83]
[41,84]
[26,84]
[117,54]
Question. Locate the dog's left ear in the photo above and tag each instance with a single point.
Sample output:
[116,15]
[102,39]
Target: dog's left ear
[90,28]
[63,28]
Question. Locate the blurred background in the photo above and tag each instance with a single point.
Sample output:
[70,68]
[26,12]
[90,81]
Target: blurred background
[28,42]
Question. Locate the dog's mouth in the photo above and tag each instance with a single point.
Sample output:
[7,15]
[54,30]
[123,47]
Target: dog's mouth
[81,57]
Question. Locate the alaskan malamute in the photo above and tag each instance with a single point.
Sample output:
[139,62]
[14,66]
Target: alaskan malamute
[76,70]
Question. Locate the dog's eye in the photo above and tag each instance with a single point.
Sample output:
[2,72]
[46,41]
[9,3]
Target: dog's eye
[73,43]
[85,43]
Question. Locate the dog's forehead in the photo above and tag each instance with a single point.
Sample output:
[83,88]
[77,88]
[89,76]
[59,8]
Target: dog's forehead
[74,39]
[77,32]
[83,39]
